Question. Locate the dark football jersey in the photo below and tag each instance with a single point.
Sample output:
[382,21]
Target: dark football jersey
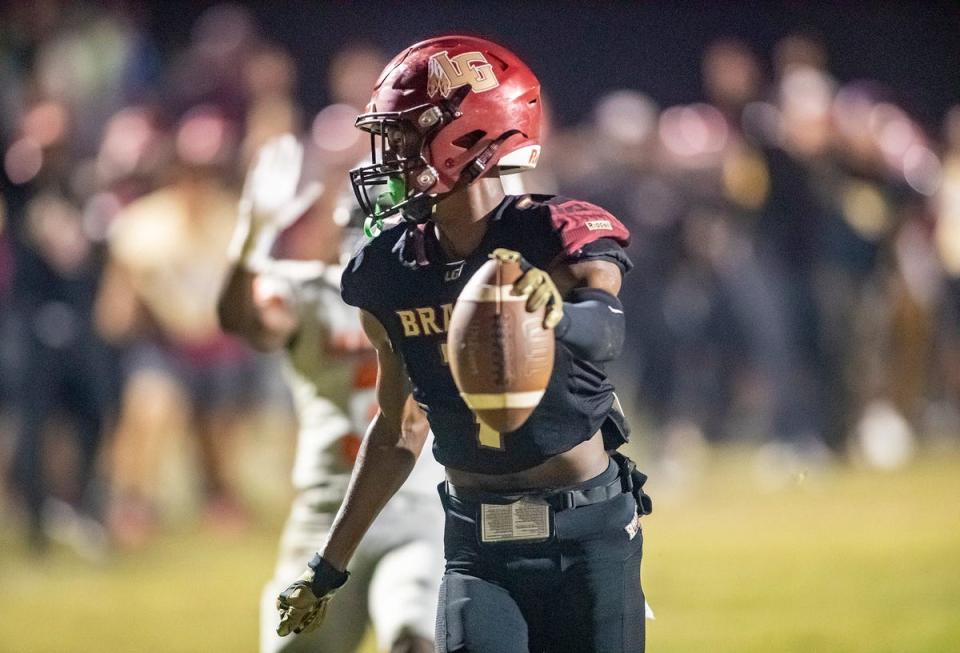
[403,279]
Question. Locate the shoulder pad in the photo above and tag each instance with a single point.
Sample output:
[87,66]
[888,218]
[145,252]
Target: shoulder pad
[579,223]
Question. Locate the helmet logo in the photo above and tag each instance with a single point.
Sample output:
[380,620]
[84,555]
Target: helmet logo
[445,73]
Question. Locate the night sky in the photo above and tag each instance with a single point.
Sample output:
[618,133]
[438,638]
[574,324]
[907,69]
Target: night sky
[581,50]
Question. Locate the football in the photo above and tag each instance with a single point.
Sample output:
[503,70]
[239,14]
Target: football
[500,355]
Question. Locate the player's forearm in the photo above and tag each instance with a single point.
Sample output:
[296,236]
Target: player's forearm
[263,327]
[383,464]
[235,308]
[593,325]
[248,246]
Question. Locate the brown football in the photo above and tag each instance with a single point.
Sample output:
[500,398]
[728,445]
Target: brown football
[500,355]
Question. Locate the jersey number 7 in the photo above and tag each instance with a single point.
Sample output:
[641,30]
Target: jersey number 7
[487,437]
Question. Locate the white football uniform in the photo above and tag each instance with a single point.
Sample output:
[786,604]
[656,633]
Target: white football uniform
[396,571]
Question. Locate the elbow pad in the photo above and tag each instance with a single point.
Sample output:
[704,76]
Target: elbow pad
[593,326]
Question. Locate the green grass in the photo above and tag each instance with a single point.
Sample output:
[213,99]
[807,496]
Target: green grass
[187,593]
[846,560]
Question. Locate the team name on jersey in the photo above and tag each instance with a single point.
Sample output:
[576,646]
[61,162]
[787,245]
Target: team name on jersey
[425,320]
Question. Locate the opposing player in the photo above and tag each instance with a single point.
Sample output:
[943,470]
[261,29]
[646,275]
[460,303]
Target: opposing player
[543,540]
[295,305]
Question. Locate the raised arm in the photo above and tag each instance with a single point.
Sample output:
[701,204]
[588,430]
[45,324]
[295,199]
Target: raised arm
[388,453]
[254,308]
[254,301]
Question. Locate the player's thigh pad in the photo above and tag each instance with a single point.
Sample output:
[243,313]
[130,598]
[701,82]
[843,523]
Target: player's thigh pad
[476,616]
[403,592]
[601,605]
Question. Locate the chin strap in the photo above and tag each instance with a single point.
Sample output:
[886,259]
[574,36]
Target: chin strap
[419,209]
[478,166]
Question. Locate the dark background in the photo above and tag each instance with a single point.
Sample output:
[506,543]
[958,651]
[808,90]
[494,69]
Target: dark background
[913,47]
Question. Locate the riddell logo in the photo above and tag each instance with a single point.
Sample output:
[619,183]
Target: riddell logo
[445,73]
[598,225]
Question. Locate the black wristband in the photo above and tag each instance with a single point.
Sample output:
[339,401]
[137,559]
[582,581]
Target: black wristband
[326,577]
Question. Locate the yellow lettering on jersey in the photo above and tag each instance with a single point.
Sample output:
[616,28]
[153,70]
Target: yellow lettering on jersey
[487,437]
[409,321]
[425,320]
[447,312]
[428,318]
[443,353]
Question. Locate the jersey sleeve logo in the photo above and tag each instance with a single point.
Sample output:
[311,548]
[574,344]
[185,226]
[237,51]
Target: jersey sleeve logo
[446,73]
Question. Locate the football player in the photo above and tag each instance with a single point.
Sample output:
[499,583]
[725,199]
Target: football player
[543,540]
[295,306]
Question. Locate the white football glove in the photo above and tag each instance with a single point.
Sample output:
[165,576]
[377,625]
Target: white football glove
[270,189]
[270,202]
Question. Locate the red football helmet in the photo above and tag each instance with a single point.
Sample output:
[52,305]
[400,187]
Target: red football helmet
[444,113]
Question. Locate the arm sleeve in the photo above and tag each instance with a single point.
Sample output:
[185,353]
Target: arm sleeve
[604,249]
[593,326]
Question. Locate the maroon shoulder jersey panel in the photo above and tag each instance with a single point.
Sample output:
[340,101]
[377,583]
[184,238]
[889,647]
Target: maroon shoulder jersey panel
[579,223]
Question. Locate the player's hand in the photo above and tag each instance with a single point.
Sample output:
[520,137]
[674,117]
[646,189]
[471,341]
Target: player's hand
[270,195]
[303,605]
[538,287]
[300,609]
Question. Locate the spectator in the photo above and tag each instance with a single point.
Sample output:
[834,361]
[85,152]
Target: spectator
[158,299]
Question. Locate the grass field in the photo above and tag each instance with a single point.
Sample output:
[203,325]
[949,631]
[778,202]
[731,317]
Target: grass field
[838,560]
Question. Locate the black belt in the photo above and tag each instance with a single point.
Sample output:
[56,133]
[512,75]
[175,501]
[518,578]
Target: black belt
[557,499]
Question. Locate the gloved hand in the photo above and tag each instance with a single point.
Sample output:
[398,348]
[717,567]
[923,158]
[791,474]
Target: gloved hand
[270,194]
[270,202]
[303,605]
[537,285]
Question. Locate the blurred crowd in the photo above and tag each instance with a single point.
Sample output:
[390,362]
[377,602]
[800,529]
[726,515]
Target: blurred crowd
[796,242]
[796,247]
[121,174]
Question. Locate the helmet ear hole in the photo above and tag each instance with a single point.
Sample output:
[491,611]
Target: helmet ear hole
[492,58]
[469,139]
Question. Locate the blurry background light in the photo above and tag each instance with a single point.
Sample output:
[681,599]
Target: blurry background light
[45,123]
[203,136]
[23,160]
[866,210]
[689,131]
[626,116]
[922,170]
[128,135]
[333,128]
